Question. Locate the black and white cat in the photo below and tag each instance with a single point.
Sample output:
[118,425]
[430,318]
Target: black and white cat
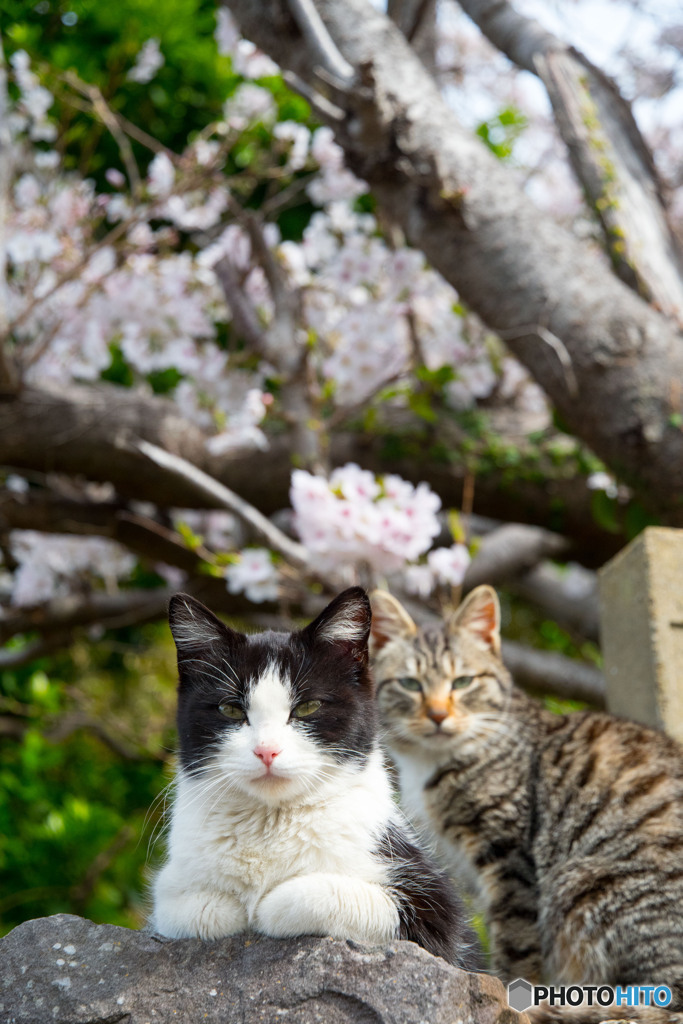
[283,820]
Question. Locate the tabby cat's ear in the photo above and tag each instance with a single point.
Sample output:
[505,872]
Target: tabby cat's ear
[480,614]
[345,623]
[389,620]
[194,627]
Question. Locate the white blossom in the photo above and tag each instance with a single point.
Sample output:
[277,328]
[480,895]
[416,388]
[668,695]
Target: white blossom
[147,63]
[253,574]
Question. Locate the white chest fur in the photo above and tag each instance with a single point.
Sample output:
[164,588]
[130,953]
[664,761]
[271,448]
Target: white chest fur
[415,771]
[234,853]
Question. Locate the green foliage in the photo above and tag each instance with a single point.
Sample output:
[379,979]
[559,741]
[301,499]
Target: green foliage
[100,41]
[502,131]
[522,624]
[75,818]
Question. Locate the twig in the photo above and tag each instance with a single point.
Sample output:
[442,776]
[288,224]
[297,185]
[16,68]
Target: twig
[69,275]
[18,656]
[320,41]
[328,111]
[131,129]
[244,315]
[110,121]
[281,200]
[222,497]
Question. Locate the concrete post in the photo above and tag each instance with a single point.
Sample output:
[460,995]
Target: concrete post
[641,616]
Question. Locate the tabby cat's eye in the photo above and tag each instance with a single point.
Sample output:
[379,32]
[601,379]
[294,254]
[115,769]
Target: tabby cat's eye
[307,708]
[408,683]
[232,711]
[461,682]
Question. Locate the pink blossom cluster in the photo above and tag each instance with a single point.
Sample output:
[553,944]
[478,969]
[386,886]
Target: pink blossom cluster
[365,299]
[53,565]
[356,518]
[72,299]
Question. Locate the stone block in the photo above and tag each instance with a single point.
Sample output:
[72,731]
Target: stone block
[641,625]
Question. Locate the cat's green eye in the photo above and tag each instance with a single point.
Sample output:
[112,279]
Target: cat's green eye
[307,708]
[461,682]
[232,711]
[408,683]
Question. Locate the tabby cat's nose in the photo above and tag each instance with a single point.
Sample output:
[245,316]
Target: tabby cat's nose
[437,714]
[266,753]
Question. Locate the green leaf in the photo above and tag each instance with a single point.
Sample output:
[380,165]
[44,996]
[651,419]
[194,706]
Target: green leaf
[420,404]
[604,511]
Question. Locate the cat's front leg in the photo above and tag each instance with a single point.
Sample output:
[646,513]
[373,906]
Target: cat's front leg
[513,924]
[328,904]
[182,913]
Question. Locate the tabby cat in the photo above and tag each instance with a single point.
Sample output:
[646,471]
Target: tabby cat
[283,819]
[570,826]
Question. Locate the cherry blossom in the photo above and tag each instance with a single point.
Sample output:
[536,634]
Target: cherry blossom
[49,565]
[147,63]
[353,518]
[254,574]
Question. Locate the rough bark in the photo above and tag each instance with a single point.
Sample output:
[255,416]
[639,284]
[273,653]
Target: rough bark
[609,156]
[67,969]
[524,276]
[93,433]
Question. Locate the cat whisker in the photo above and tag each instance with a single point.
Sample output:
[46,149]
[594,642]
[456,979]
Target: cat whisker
[233,684]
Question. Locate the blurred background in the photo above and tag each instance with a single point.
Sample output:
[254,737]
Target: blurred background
[229,366]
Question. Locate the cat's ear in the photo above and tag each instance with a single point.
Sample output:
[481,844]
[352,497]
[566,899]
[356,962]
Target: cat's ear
[480,614]
[195,628]
[390,620]
[345,623]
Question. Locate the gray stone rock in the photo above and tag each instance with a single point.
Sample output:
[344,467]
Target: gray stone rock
[65,970]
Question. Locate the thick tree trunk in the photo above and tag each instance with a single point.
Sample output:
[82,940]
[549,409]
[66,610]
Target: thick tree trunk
[610,363]
[609,156]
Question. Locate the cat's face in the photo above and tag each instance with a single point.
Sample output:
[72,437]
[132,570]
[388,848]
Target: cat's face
[275,714]
[441,688]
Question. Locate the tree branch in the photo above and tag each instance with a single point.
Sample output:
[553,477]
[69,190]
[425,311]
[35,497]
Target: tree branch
[466,211]
[318,39]
[547,672]
[510,550]
[92,433]
[218,493]
[609,156]
[9,381]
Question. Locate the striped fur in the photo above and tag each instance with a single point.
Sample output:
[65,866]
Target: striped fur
[570,826]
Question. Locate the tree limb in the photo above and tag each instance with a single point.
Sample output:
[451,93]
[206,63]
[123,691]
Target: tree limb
[569,596]
[318,38]
[548,672]
[609,156]
[92,433]
[468,214]
[274,538]
[8,374]
[510,550]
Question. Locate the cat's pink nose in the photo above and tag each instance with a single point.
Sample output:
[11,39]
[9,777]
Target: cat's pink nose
[437,714]
[267,753]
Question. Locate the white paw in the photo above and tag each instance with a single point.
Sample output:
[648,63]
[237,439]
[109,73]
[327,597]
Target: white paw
[325,904]
[202,915]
